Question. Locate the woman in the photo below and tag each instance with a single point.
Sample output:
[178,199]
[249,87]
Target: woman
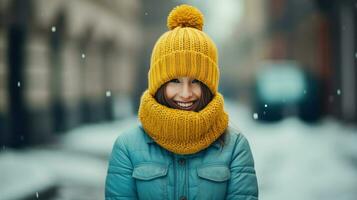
[183,148]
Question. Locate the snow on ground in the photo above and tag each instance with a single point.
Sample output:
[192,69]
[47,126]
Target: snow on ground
[95,139]
[76,166]
[301,161]
[20,179]
[79,176]
[25,173]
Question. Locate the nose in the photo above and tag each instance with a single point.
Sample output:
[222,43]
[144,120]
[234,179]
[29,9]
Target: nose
[186,92]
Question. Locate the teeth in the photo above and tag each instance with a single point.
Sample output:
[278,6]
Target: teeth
[185,104]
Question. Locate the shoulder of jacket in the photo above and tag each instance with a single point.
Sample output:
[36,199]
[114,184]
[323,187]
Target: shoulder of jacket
[241,151]
[130,136]
[235,136]
[234,133]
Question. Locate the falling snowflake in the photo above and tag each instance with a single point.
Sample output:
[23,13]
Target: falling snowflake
[108,93]
[146,13]
[18,84]
[53,29]
[266,105]
[255,115]
[83,55]
[338,92]
[37,195]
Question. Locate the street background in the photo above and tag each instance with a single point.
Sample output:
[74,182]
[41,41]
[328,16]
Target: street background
[72,73]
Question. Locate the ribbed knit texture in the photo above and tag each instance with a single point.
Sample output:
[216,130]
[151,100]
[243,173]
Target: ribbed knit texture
[180,131]
[184,51]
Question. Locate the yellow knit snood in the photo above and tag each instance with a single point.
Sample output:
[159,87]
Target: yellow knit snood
[180,131]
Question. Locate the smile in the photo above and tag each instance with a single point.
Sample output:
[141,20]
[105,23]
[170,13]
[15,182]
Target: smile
[185,105]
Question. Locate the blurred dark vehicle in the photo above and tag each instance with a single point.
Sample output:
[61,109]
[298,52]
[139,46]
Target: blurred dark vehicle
[282,88]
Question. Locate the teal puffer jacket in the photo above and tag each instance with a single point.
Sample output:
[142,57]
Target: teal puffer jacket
[141,169]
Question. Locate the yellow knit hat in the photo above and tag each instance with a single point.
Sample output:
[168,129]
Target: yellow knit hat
[184,50]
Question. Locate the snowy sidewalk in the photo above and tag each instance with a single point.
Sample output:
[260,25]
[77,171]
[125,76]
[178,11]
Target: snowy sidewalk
[73,169]
[22,179]
[298,161]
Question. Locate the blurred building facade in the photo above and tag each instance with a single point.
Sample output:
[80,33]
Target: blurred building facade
[153,23]
[318,35]
[64,63]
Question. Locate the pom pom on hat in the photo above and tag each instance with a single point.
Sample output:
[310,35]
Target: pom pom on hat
[185,16]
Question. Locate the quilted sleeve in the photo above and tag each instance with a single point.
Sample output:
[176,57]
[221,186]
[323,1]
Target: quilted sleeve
[119,183]
[243,183]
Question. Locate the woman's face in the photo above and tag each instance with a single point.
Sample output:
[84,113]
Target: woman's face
[184,92]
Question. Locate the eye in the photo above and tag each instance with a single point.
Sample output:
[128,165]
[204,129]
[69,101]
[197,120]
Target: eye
[175,80]
[195,81]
